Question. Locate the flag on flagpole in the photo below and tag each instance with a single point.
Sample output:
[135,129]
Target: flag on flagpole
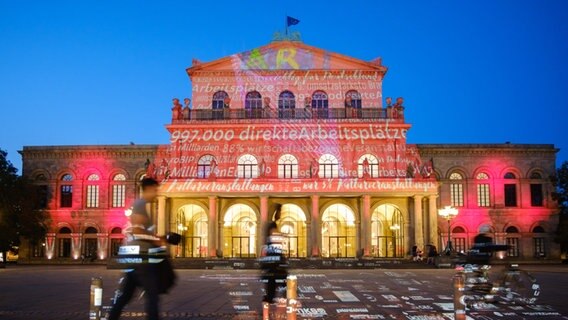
[291,21]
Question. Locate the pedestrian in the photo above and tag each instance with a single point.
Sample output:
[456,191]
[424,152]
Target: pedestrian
[432,254]
[153,278]
[273,261]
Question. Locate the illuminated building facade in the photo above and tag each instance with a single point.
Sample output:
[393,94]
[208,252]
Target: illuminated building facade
[307,129]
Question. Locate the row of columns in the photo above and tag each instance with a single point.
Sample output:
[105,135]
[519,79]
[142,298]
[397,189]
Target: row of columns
[415,223]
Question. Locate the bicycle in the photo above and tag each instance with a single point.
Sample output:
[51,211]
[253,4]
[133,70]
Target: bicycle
[512,286]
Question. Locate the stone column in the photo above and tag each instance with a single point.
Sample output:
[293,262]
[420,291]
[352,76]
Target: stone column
[212,241]
[161,225]
[263,221]
[76,245]
[102,246]
[315,232]
[432,220]
[418,225]
[366,225]
[50,239]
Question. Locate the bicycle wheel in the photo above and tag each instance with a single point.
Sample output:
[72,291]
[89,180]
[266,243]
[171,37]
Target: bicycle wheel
[519,287]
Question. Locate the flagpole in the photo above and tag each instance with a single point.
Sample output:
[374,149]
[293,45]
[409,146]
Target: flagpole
[286,25]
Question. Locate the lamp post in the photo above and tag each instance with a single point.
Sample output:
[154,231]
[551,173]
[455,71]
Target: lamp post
[395,228]
[448,213]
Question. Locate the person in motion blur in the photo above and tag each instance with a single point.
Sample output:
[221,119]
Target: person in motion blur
[273,261]
[148,276]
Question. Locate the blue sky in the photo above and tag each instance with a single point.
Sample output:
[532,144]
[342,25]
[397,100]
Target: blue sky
[104,72]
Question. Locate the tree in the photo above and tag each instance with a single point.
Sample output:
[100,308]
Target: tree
[19,213]
[560,181]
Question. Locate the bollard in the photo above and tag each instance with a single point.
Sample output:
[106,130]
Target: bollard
[291,297]
[459,307]
[265,310]
[96,303]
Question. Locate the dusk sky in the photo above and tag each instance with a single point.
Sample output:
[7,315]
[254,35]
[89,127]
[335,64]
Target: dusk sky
[104,72]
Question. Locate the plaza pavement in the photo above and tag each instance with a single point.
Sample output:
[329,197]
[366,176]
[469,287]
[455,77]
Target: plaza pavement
[62,292]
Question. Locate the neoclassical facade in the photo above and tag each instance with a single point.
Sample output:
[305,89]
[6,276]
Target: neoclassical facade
[293,125]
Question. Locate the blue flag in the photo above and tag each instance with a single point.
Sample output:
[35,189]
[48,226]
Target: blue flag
[291,21]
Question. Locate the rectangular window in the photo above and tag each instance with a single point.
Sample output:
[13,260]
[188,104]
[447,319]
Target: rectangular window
[66,199]
[536,195]
[513,244]
[38,250]
[539,247]
[115,243]
[42,196]
[64,247]
[456,194]
[483,195]
[90,247]
[248,171]
[92,196]
[510,195]
[118,195]
[459,244]
[287,170]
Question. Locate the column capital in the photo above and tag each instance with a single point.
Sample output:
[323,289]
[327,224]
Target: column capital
[418,197]
[314,196]
[366,196]
[212,197]
[433,196]
[161,197]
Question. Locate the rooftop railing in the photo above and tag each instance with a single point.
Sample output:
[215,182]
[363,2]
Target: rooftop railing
[331,113]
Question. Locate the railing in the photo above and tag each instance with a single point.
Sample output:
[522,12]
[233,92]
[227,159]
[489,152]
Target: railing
[331,113]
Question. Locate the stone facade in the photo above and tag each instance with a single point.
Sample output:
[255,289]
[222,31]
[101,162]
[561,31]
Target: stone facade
[293,125]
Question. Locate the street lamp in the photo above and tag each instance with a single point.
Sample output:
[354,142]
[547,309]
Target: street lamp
[448,213]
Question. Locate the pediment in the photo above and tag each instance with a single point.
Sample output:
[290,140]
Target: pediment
[286,55]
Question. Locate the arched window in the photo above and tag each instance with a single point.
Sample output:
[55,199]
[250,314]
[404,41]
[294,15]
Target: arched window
[118,190]
[483,192]
[387,232]
[353,99]
[219,100]
[538,229]
[319,100]
[456,189]
[247,167]
[338,231]
[116,230]
[368,166]
[239,231]
[253,100]
[292,224]
[535,175]
[286,105]
[288,166]
[286,100]
[510,190]
[64,230]
[328,166]
[204,165]
[64,243]
[509,175]
[192,223]
[66,189]
[93,191]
